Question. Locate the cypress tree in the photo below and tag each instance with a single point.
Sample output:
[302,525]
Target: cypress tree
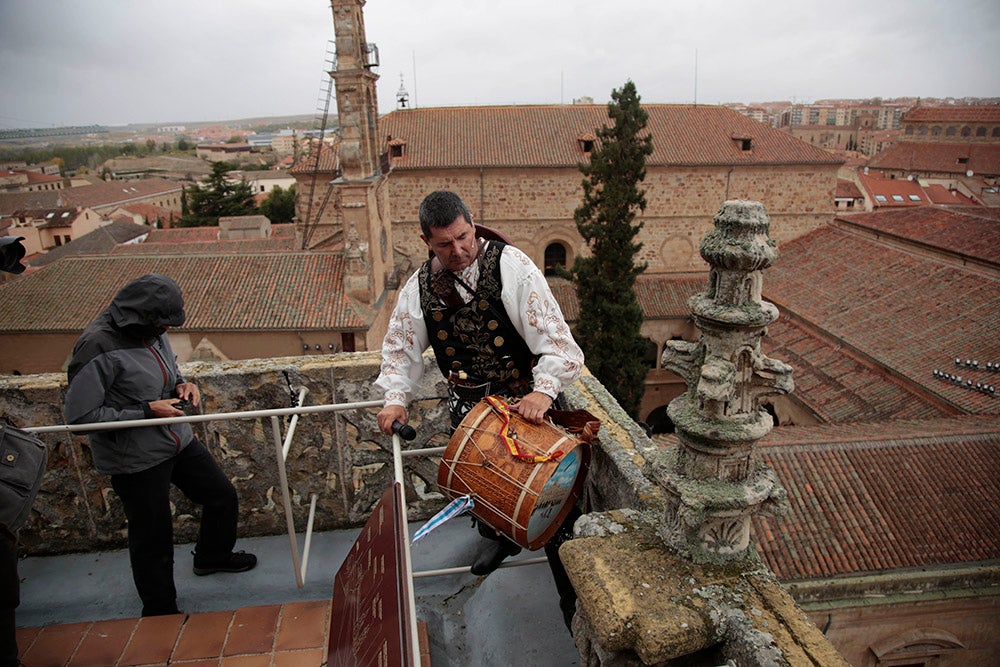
[610,318]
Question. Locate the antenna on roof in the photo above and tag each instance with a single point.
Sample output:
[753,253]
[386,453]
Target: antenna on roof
[696,77]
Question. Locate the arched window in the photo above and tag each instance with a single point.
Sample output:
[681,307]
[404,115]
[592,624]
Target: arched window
[996,131]
[950,131]
[555,255]
[966,131]
[936,131]
[981,131]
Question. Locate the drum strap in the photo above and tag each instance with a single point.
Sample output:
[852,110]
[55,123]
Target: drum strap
[503,411]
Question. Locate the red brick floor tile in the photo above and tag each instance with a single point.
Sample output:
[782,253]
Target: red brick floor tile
[25,638]
[248,661]
[197,663]
[252,630]
[309,658]
[153,640]
[303,625]
[55,645]
[203,636]
[104,642]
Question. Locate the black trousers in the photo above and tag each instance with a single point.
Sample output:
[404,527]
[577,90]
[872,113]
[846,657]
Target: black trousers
[146,496]
[10,589]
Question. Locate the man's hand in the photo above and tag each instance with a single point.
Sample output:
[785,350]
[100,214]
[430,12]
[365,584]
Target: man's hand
[534,406]
[164,408]
[390,414]
[188,391]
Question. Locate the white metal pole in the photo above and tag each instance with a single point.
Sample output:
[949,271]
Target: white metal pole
[218,416]
[291,425]
[287,501]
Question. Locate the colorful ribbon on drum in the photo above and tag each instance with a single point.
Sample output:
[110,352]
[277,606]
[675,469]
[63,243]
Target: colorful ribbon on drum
[510,440]
[458,506]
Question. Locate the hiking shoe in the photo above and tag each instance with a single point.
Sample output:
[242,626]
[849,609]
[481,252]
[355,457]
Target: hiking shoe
[238,561]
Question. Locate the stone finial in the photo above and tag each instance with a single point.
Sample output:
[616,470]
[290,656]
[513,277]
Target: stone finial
[713,480]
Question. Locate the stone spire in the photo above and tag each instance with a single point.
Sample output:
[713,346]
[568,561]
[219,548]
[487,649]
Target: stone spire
[714,482]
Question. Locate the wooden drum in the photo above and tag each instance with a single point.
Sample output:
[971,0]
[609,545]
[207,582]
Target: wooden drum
[523,477]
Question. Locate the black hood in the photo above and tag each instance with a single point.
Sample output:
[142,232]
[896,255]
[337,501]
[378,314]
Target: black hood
[152,300]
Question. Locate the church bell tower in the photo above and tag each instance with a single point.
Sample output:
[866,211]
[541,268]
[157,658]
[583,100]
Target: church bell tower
[349,204]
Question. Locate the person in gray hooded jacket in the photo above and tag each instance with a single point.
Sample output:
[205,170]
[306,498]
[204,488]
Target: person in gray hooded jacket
[123,369]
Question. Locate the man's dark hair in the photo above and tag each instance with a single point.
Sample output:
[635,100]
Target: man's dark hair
[439,209]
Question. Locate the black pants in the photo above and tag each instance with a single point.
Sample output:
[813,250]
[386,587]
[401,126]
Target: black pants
[10,589]
[146,496]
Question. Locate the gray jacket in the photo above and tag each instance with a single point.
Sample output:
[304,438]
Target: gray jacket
[120,363]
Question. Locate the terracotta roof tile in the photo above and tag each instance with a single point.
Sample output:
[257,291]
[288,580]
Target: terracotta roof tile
[892,192]
[847,190]
[205,241]
[116,192]
[907,312]
[297,290]
[540,136]
[101,241]
[972,231]
[836,386]
[883,496]
[938,194]
[916,156]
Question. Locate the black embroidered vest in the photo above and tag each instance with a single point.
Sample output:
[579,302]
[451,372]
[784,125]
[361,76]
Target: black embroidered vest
[477,337]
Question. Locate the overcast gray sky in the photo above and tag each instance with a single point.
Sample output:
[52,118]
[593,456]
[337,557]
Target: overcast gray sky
[112,62]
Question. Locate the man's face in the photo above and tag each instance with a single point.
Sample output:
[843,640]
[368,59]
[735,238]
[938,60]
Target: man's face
[455,245]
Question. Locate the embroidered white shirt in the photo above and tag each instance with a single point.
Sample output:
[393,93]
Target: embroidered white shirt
[528,301]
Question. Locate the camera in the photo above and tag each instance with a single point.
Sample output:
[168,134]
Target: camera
[11,252]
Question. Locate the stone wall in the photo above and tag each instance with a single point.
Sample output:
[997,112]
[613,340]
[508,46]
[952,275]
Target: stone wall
[535,206]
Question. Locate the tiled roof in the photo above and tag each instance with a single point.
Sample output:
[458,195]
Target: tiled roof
[938,194]
[919,156]
[37,177]
[893,192]
[660,296]
[205,241]
[972,231]
[328,161]
[958,114]
[883,496]
[57,213]
[116,192]
[256,292]
[847,190]
[908,312]
[541,136]
[151,212]
[101,241]
[837,386]
[15,201]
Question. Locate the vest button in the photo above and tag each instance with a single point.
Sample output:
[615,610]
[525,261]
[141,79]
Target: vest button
[442,335]
[498,341]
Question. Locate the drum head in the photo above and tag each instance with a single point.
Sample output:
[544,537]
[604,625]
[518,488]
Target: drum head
[558,496]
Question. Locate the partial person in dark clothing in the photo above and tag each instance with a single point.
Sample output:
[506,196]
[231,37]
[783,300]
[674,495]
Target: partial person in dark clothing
[11,253]
[123,369]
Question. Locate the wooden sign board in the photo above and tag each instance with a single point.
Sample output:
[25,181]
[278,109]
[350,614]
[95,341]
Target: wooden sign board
[370,614]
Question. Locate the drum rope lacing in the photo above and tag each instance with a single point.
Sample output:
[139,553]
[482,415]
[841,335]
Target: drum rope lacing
[510,439]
